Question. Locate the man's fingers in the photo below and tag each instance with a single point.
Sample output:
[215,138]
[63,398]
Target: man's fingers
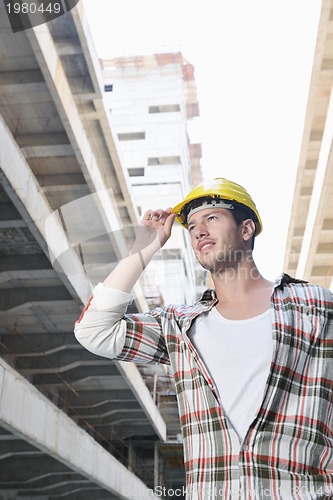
[153,214]
[158,215]
[160,221]
[169,221]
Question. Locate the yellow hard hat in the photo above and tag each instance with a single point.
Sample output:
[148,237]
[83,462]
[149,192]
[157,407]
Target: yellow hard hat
[218,189]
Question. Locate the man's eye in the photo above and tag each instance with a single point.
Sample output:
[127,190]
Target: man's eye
[190,228]
[211,217]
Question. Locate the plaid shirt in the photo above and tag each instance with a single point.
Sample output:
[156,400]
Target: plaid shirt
[288,450]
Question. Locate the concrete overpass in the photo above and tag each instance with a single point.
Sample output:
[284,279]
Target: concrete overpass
[71,424]
[309,252]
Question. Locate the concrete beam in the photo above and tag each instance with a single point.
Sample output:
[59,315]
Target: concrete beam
[36,344]
[10,298]
[12,223]
[105,408]
[24,191]
[41,424]
[88,49]
[23,89]
[58,370]
[24,262]
[39,140]
[8,212]
[33,470]
[17,447]
[84,97]
[59,362]
[54,151]
[69,47]
[94,399]
[100,375]
[17,278]
[125,428]
[321,193]
[21,77]
[70,179]
[70,489]
[43,318]
[317,102]
[48,484]
[143,396]
[77,362]
[116,415]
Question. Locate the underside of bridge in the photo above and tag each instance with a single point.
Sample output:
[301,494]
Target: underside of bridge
[72,424]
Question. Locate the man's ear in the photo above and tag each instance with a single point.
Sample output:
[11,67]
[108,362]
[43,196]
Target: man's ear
[248,229]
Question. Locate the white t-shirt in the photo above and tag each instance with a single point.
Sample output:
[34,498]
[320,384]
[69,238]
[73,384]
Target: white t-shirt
[237,354]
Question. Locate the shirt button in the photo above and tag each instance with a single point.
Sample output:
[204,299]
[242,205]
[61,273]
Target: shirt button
[246,447]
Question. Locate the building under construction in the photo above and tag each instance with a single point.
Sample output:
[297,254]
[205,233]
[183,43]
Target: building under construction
[72,424]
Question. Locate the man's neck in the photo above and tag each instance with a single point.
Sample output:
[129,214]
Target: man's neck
[242,293]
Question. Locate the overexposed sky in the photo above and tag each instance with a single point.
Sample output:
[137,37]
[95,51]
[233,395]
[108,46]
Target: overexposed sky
[253,62]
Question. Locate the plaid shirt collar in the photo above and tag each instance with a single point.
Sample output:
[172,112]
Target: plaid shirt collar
[281,281]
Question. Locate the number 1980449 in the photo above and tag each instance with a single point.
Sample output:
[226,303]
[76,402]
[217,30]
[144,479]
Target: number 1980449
[32,8]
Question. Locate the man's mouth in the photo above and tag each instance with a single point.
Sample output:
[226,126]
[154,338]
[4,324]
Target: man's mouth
[203,246]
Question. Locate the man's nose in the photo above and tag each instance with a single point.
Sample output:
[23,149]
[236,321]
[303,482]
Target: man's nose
[201,231]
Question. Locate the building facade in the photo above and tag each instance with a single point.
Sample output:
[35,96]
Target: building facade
[151,99]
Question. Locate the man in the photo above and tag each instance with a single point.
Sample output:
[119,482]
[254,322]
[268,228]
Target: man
[252,360]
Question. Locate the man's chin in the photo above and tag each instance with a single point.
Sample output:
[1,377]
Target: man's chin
[219,269]
[205,263]
[213,267]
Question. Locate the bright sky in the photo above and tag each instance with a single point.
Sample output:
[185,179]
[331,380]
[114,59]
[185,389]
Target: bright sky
[253,62]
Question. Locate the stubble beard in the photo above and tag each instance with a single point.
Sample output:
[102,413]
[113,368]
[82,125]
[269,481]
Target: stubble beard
[223,260]
[227,264]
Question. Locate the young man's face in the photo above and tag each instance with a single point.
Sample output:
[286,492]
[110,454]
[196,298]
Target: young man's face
[217,241]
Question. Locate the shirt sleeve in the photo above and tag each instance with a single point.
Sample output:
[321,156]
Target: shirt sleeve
[105,329]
